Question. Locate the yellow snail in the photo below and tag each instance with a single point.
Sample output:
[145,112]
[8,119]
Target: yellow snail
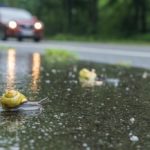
[88,78]
[12,99]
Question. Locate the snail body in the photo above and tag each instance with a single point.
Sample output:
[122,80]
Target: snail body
[12,99]
[88,78]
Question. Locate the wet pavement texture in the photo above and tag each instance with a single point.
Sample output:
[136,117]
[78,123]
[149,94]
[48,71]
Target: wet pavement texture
[114,116]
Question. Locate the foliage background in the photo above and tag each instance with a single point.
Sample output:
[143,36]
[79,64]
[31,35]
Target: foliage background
[102,18]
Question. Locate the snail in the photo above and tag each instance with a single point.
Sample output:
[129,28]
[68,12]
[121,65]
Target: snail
[13,100]
[88,78]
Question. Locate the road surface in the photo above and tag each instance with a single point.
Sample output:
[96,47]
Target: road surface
[134,55]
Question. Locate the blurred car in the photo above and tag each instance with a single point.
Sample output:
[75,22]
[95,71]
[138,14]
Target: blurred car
[19,23]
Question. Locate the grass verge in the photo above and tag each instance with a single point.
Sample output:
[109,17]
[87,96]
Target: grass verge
[136,39]
[60,55]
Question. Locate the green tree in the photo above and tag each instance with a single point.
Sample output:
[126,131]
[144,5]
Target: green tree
[89,17]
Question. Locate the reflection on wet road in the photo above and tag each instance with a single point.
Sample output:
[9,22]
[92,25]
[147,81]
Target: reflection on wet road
[114,116]
[11,68]
[36,64]
[16,67]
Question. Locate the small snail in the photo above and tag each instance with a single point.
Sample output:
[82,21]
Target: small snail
[14,100]
[88,78]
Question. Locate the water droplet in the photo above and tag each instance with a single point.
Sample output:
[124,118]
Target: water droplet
[145,75]
[134,138]
[33,127]
[75,137]
[23,131]
[61,114]
[47,81]
[32,141]
[132,120]
[84,145]
[54,71]
[60,123]
[47,74]
[79,128]
[107,134]
[68,89]
[39,137]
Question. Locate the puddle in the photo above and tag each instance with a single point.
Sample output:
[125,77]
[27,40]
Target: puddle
[112,116]
[112,81]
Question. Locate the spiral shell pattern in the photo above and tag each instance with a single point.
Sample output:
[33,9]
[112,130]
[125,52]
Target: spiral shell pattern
[12,99]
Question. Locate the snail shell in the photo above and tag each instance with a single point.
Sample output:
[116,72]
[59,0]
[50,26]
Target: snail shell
[12,99]
[87,74]
[88,78]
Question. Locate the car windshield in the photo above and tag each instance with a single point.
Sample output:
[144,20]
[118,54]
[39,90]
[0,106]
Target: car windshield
[8,14]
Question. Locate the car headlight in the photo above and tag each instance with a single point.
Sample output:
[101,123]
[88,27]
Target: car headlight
[38,25]
[12,24]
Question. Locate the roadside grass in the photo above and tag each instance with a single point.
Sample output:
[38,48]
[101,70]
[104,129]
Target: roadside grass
[60,56]
[136,39]
[4,48]
[125,64]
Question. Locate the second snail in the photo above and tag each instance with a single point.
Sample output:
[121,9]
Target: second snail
[88,78]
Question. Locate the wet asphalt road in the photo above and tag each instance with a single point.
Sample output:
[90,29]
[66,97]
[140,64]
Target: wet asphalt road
[129,55]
